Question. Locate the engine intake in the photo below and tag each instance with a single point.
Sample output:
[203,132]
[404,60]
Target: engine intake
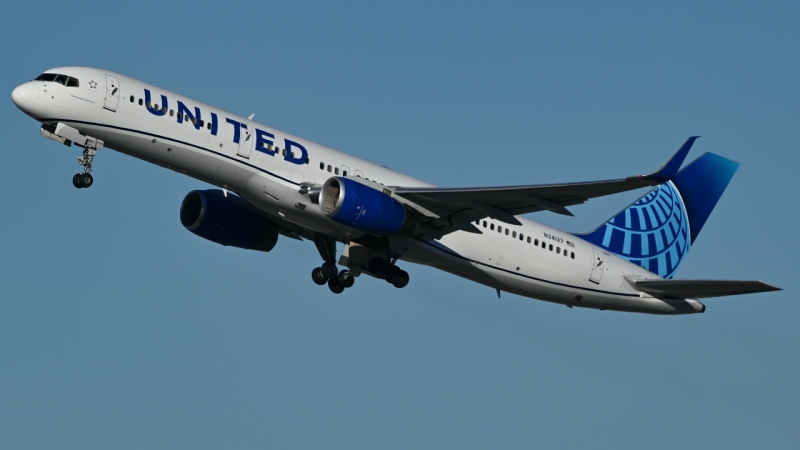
[364,208]
[227,221]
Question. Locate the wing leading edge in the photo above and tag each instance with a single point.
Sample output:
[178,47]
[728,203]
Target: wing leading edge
[456,206]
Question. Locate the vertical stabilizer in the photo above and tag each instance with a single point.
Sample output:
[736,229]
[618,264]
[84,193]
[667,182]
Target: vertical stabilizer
[657,231]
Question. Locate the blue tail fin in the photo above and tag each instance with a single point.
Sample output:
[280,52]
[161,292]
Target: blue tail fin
[657,231]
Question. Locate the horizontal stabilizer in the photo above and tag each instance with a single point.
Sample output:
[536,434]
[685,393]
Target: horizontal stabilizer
[700,288]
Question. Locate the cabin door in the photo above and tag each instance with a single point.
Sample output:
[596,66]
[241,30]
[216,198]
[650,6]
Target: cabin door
[597,266]
[245,143]
[112,93]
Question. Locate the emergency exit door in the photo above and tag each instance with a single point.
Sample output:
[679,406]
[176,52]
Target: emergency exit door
[112,93]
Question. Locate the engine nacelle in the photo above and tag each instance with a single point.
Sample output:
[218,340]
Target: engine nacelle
[364,208]
[227,221]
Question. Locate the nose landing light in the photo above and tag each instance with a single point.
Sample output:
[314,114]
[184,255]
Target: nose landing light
[25,96]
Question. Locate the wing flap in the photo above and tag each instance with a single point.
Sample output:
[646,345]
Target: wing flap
[700,288]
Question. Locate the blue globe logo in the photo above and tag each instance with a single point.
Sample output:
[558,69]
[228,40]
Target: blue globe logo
[653,232]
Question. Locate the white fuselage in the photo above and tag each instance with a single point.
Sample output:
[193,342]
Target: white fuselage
[271,182]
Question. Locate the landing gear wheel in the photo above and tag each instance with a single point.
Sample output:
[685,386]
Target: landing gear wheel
[400,279]
[318,276]
[76,181]
[346,279]
[329,270]
[85,179]
[334,286]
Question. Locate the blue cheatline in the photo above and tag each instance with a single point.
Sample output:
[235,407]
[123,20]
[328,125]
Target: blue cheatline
[657,231]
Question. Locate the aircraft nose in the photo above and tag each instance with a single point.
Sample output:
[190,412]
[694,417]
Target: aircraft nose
[25,96]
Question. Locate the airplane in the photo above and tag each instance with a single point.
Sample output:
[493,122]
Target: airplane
[272,183]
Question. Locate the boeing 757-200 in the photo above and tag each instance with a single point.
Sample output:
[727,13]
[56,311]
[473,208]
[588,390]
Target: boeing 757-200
[273,183]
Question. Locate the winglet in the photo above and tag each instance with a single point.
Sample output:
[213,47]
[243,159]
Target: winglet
[670,169]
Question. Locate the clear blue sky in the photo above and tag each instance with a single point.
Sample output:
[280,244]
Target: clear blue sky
[120,329]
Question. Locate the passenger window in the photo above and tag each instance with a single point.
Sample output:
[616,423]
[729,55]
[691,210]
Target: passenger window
[61,79]
[506,231]
[202,124]
[322,166]
[529,240]
[336,171]
[209,125]
[148,105]
[558,250]
[330,168]
[132,99]
[344,172]
[544,245]
[171,112]
[141,102]
[514,234]
[572,255]
[499,229]
[492,227]
[551,247]
[484,224]
[72,82]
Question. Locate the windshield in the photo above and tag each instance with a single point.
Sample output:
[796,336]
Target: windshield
[60,79]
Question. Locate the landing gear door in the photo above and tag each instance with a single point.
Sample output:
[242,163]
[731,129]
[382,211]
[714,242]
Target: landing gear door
[112,93]
[245,143]
[597,266]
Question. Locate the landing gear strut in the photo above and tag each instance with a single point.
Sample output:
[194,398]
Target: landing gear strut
[84,179]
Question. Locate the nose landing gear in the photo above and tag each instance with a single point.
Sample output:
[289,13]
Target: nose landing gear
[84,179]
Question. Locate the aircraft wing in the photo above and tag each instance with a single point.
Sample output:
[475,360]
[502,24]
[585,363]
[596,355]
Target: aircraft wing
[700,288]
[457,207]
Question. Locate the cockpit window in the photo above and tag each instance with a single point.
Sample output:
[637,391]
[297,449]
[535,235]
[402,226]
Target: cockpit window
[47,77]
[60,79]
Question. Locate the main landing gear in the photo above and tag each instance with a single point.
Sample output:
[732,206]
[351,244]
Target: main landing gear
[392,274]
[329,274]
[336,280]
[358,260]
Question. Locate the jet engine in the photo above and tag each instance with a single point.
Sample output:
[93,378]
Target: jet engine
[227,221]
[364,208]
